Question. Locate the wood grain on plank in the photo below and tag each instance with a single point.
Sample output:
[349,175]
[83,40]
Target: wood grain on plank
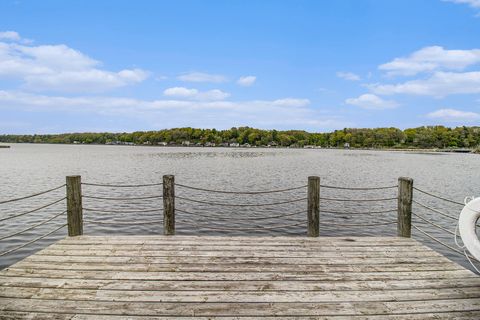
[240,309]
[106,278]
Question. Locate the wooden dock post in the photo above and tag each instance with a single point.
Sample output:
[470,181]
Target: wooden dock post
[405,196]
[313,206]
[168,205]
[74,206]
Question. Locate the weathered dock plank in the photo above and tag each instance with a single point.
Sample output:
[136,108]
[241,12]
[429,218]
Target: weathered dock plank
[175,277]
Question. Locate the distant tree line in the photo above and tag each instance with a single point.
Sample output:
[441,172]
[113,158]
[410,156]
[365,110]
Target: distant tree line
[421,137]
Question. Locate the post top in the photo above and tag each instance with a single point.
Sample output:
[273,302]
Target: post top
[313,178]
[169,177]
[405,179]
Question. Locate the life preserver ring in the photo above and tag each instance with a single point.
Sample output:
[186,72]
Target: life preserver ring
[467,223]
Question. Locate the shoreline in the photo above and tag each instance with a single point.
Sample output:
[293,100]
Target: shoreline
[418,150]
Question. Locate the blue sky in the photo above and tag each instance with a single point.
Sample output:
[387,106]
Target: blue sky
[316,65]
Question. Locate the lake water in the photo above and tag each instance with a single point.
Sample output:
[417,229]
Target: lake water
[29,168]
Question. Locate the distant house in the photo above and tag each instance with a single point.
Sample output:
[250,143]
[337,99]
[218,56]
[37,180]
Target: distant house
[246,145]
[272,144]
[309,147]
[234,144]
[162,143]
[209,144]
[346,145]
[186,143]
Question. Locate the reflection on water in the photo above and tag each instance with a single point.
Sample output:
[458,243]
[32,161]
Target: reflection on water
[26,169]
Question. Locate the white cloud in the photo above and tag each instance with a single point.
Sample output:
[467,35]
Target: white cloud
[430,59]
[444,73]
[453,115]
[472,3]
[60,68]
[372,102]
[348,76]
[182,92]
[92,80]
[214,94]
[475,4]
[246,81]
[285,113]
[440,84]
[10,35]
[202,77]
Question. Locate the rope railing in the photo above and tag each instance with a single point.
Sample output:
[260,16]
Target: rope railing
[442,243]
[128,223]
[438,197]
[122,198]
[32,211]
[358,200]
[122,211]
[359,224]
[357,188]
[246,219]
[218,217]
[241,205]
[433,223]
[33,226]
[239,192]
[32,241]
[355,213]
[32,195]
[258,228]
[121,185]
[434,210]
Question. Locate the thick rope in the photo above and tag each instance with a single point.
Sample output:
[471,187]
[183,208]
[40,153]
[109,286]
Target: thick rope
[352,188]
[438,197]
[31,211]
[242,229]
[239,192]
[128,223]
[358,224]
[368,212]
[123,211]
[240,205]
[33,226]
[434,210]
[122,185]
[32,195]
[32,241]
[440,242]
[121,199]
[358,200]
[240,219]
[433,224]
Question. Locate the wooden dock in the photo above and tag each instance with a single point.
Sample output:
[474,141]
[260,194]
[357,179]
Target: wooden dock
[171,277]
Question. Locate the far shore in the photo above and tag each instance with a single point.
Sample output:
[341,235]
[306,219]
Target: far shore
[413,150]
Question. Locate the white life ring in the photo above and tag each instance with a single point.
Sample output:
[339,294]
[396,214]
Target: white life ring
[467,223]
